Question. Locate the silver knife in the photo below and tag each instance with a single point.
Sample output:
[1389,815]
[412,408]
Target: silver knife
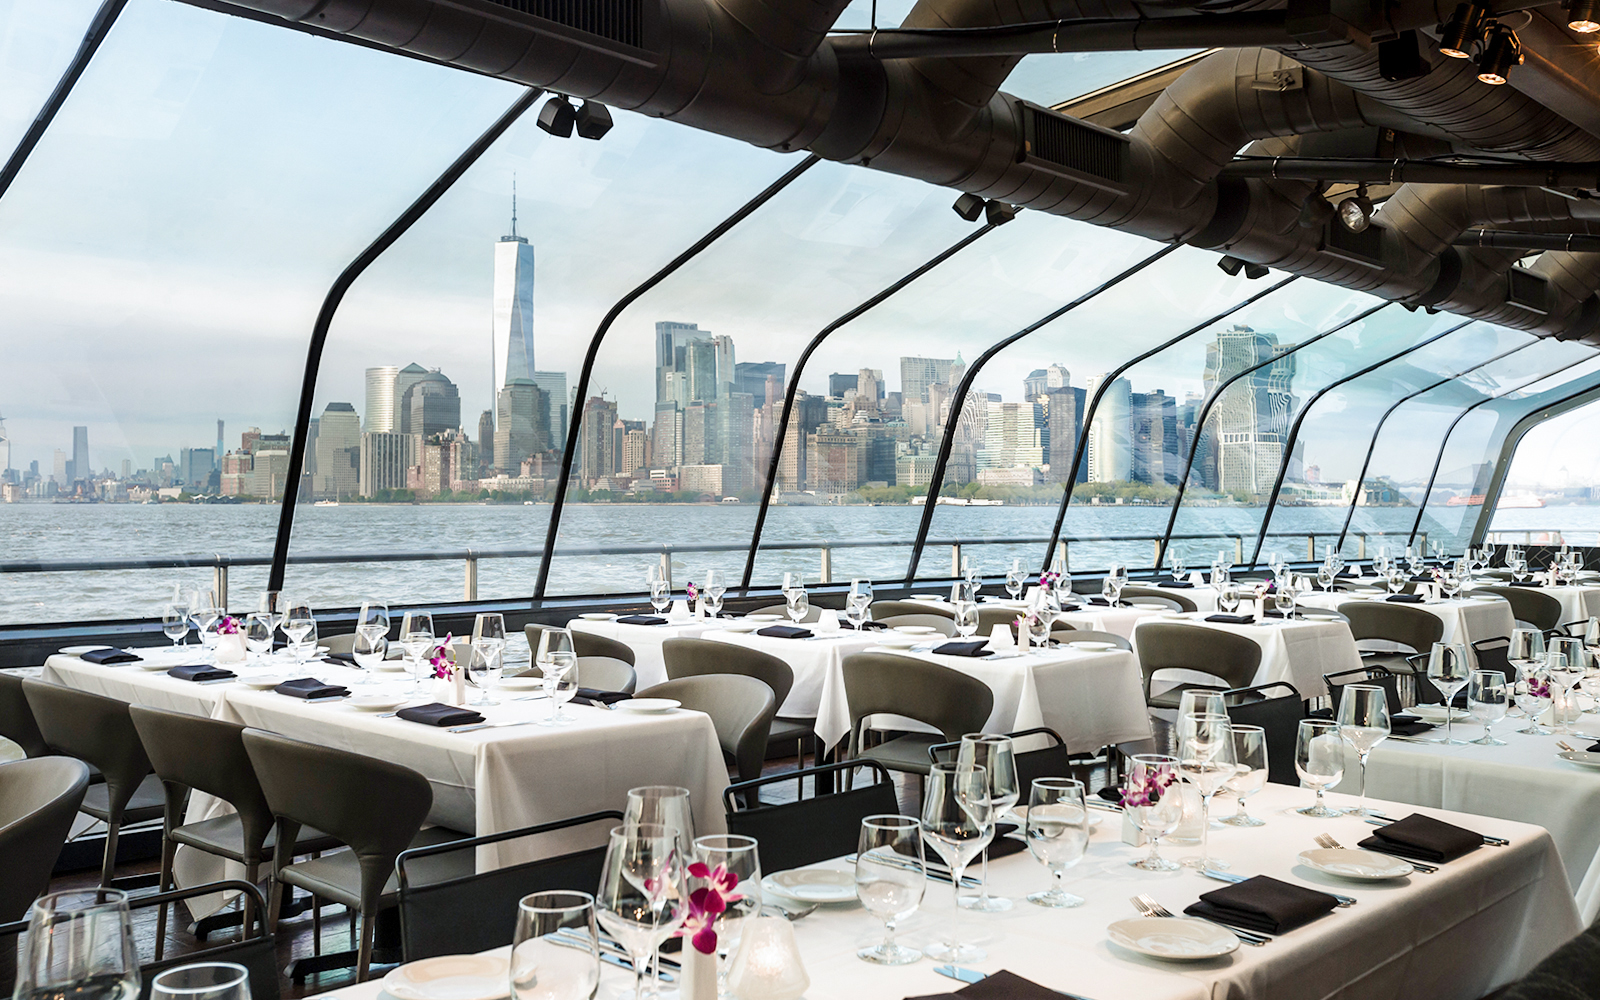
[490,725]
[1226,877]
[970,976]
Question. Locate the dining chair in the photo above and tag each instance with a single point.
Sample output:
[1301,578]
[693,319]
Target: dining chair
[603,673]
[1492,654]
[472,912]
[1052,760]
[808,830]
[39,799]
[1571,972]
[990,616]
[1368,674]
[893,609]
[696,657]
[1170,599]
[1381,621]
[1529,606]
[813,612]
[952,702]
[374,806]
[1065,632]
[99,731]
[945,626]
[17,723]
[741,710]
[1229,657]
[1277,708]
[585,644]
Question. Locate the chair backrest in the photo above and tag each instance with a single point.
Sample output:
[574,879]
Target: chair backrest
[813,612]
[589,644]
[1408,626]
[1492,655]
[1375,674]
[16,718]
[1050,761]
[1062,632]
[1173,600]
[603,673]
[375,806]
[695,657]
[892,609]
[1277,708]
[191,751]
[94,729]
[947,626]
[470,913]
[989,617]
[344,644]
[38,800]
[934,695]
[741,709]
[1230,657]
[793,834]
[1529,605]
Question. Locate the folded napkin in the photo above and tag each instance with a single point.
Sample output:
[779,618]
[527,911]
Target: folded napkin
[641,620]
[435,714]
[785,632]
[1100,602]
[1180,584]
[974,647]
[201,672]
[1111,793]
[593,695]
[1275,613]
[1263,904]
[310,687]
[1405,598]
[1422,578]
[1408,725]
[1232,619]
[1423,838]
[1514,583]
[1000,985]
[866,626]
[1071,607]
[104,656]
[341,659]
[1003,846]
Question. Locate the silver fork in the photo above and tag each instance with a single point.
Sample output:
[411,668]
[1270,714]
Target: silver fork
[1150,908]
[1323,840]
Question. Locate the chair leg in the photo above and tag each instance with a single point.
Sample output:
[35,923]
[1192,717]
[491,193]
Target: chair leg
[168,849]
[109,865]
[252,874]
[274,901]
[364,953]
[316,924]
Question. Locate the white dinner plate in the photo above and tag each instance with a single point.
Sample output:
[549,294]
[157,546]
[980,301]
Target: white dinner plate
[597,616]
[1092,645]
[1150,606]
[1321,618]
[898,641]
[451,977]
[1173,939]
[647,706]
[741,626]
[926,597]
[522,682]
[1583,757]
[375,702]
[263,683]
[915,629]
[812,885]
[763,618]
[1355,865]
[1435,713]
[79,650]
[1174,614]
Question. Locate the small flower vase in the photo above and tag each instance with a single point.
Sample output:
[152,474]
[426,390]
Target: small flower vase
[699,607]
[230,648]
[699,976]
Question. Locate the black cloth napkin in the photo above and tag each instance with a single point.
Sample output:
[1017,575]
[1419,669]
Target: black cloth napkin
[866,626]
[1070,607]
[1000,985]
[104,656]
[341,659]
[1003,846]
[1180,584]
[1408,725]
[1275,613]
[1524,583]
[592,695]
[1100,602]
[785,632]
[1263,904]
[975,647]
[435,714]
[1595,748]
[1423,838]
[1422,578]
[1232,619]
[641,620]
[310,687]
[1405,599]
[201,672]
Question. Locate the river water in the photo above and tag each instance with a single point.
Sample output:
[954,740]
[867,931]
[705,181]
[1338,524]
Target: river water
[97,532]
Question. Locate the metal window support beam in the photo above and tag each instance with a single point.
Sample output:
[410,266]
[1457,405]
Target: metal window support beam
[1402,171]
[335,296]
[1198,31]
[1512,240]
[1508,450]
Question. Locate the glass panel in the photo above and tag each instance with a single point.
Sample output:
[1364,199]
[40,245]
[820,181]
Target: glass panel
[1050,79]
[914,349]
[1551,489]
[38,39]
[426,319]
[1337,430]
[205,184]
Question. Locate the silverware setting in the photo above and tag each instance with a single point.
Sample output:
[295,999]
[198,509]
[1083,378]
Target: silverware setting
[609,950]
[1323,840]
[778,910]
[490,725]
[1227,877]
[1150,908]
[1384,820]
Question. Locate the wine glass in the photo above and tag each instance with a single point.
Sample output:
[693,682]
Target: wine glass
[1228,598]
[660,591]
[715,587]
[1526,651]
[298,624]
[258,633]
[202,981]
[1155,808]
[1487,701]
[487,660]
[642,893]
[1057,829]
[1016,579]
[1249,771]
[1449,671]
[957,822]
[1175,563]
[1284,599]
[1319,761]
[1108,590]
[663,805]
[890,880]
[1533,697]
[368,650]
[1205,760]
[1363,723]
[204,613]
[175,623]
[555,950]
[738,856]
[1325,575]
[966,619]
[796,603]
[1219,572]
[1518,567]
[416,635]
[997,756]
[80,945]
[1117,577]
[1566,667]
[560,685]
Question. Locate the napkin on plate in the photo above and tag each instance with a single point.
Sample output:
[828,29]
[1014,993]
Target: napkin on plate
[435,714]
[1423,838]
[1408,725]
[976,647]
[1524,583]
[201,672]
[1232,619]
[1263,904]
[341,659]
[592,695]
[641,620]
[1405,598]
[105,656]
[1000,985]
[785,632]
[310,687]
[1180,584]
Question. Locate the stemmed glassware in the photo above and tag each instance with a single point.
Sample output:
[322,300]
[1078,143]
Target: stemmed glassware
[1249,771]
[1449,671]
[1016,579]
[1228,598]
[416,635]
[796,604]
[299,624]
[1526,651]
[1533,697]
[966,619]
[1175,563]
[1325,575]
[202,981]
[1487,701]
[1284,596]
[555,951]
[372,637]
[1518,567]
[716,586]
[996,756]
[1319,761]
[175,624]
[79,944]
[1116,579]
[660,591]
[957,823]
[1364,723]
[204,613]
[1205,760]
[739,857]
[556,658]
[1156,809]
[642,894]
[1057,829]
[258,633]
[486,661]
[890,881]
[1565,664]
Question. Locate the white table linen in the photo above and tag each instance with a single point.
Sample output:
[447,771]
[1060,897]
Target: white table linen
[811,660]
[645,640]
[1465,621]
[1299,652]
[1094,617]
[1203,595]
[1578,604]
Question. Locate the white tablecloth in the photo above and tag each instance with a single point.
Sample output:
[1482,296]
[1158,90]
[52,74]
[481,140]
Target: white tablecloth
[1094,617]
[1298,652]
[1465,621]
[645,641]
[1481,922]
[1578,604]
[1204,595]
[812,660]
[1092,699]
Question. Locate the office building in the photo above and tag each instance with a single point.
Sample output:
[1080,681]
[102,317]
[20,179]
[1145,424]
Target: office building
[80,455]
[751,377]
[407,377]
[195,466]
[521,428]
[382,396]
[338,451]
[1249,421]
[1064,424]
[1110,453]
[432,405]
[513,305]
[595,456]
[918,374]
[557,413]
[385,457]
[5,451]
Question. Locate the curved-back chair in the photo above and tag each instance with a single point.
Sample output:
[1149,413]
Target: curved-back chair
[1277,708]
[950,701]
[990,616]
[1404,624]
[1171,599]
[945,625]
[38,801]
[98,731]
[813,612]
[16,718]
[695,657]
[893,609]
[1529,605]
[1227,656]
[585,644]
[740,707]
[603,673]
[804,831]
[1062,632]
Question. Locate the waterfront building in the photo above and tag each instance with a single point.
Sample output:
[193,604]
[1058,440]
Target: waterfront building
[407,377]
[382,397]
[513,305]
[1110,454]
[432,405]
[385,457]
[338,451]
[521,426]
[918,374]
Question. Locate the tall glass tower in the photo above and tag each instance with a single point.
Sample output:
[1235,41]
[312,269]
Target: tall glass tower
[513,305]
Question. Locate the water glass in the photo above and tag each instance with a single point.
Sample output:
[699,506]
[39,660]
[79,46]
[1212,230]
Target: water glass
[738,856]
[1016,579]
[1156,809]
[1283,597]
[1565,664]
[1526,651]
[1249,771]
[1487,701]
[966,619]
[416,635]
[560,685]
[1228,598]
[1057,829]
[175,623]
[369,649]
[488,655]
[890,880]
[555,951]
[79,945]
[258,633]
[1363,723]
[642,894]
[1319,761]
[1205,760]
[1533,695]
[1449,670]
[1175,563]
[797,604]
[997,757]
[202,981]
[957,823]
[715,587]
[298,624]
[663,805]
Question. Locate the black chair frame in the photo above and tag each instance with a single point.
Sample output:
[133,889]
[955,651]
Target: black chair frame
[1252,706]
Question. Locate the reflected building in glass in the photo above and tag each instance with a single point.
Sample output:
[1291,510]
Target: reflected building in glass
[1250,421]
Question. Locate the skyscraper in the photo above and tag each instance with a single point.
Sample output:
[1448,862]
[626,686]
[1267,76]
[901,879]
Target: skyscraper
[522,429]
[381,398]
[917,374]
[338,452]
[80,453]
[554,387]
[513,304]
[1250,420]
[5,451]
[432,405]
[403,381]
[219,450]
[595,455]
[671,336]
[1110,454]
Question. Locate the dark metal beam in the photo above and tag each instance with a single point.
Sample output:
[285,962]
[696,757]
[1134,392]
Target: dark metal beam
[1370,171]
[1512,240]
[1199,31]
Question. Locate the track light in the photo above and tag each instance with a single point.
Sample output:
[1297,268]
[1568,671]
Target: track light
[557,117]
[1356,211]
[1462,31]
[969,207]
[998,213]
[594,120]
[1501,52]
[1581,16]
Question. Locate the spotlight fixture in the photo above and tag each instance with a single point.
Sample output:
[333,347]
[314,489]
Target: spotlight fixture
[1356,211]
[1462,31]
[998,213]
[1253,271]
[557,117]
[594,120]
[1230,265]
[969,207]
[1501,52]
[1581,16]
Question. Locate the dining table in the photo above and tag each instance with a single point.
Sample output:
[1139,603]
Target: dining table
[1465,619]
[649,666]
[1297,651]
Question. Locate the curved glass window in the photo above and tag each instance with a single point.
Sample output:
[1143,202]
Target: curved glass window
[38,39]
[1552,486]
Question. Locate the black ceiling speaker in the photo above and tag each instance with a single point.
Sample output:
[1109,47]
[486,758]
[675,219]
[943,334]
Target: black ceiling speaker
[998,213]
[969,207]
[594,120]
[557,117]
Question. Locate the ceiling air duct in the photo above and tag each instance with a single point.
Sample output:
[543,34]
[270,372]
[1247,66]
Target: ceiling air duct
[1073,149]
